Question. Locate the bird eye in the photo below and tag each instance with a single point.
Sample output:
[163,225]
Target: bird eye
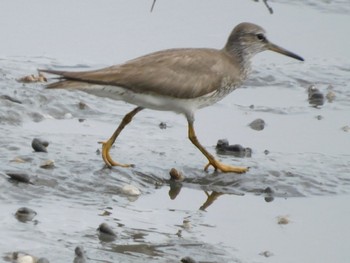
[261,37]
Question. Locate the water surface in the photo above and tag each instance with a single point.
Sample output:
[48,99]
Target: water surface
[299,164]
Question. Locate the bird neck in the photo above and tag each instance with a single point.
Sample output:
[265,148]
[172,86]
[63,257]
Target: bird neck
[240,55]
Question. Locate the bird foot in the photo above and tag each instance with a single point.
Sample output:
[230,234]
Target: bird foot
[106,146]
[226,168]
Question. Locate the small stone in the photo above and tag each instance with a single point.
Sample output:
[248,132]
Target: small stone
[179,233]
[79,255]
[248,152]
[188,260]
[68,115]
[82,105]
[105,213]
[269,198]
[32,78]
[266,254]
[20,257]
[186,224]
[319,117]
[106,229]
[20,177]
[39,145]
[26,259]
[346,128]
[49,164]
[222,143]
[176,175]
[25,214]
[315,97]
[106,233]
[258,124]
[131,190]
[330,94]
[162,125]
[18,160]
[283,220]
[268,190]
[237,150]
[27,79]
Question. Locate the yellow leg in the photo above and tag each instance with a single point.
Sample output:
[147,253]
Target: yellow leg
[212,161]
[106,146]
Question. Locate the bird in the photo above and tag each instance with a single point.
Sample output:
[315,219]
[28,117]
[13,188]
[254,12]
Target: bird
[181,80]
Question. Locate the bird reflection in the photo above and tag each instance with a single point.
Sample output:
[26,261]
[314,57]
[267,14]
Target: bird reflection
[175,189]
[211,196]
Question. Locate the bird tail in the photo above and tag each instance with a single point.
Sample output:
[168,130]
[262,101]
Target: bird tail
[62,82]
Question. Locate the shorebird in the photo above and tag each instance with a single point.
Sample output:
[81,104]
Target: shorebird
[179,80]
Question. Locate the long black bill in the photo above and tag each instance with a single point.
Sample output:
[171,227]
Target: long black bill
[283,51]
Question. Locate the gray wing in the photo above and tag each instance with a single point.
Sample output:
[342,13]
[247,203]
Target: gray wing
[180,73]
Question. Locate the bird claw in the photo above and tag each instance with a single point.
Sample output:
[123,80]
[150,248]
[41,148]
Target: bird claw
[226,168]
[106,146]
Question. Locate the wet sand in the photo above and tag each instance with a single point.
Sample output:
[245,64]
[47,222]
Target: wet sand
[292,205]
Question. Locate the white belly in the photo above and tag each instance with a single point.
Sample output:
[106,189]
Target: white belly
[156,102]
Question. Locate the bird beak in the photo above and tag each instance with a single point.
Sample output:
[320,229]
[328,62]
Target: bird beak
[273,47]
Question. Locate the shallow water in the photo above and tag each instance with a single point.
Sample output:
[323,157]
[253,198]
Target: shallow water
[299,165]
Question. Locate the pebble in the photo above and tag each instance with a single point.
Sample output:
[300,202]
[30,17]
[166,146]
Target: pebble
[39,145]
[20,177]
[266,254]
[186,224]
[105,213]
[20,257]
[106,233]
[131,190]
[176,175]
[223,147]
[283,220]
[32,78]
[106,229]
[258,124]
[79,255]
[82,105]
[346,128]
[316,98]
[68,116]
[18,160]
[25,214]
[319,117]
[269,192]
[330,94]
[49,164]
[26,259]
[162,125]
[188,260]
